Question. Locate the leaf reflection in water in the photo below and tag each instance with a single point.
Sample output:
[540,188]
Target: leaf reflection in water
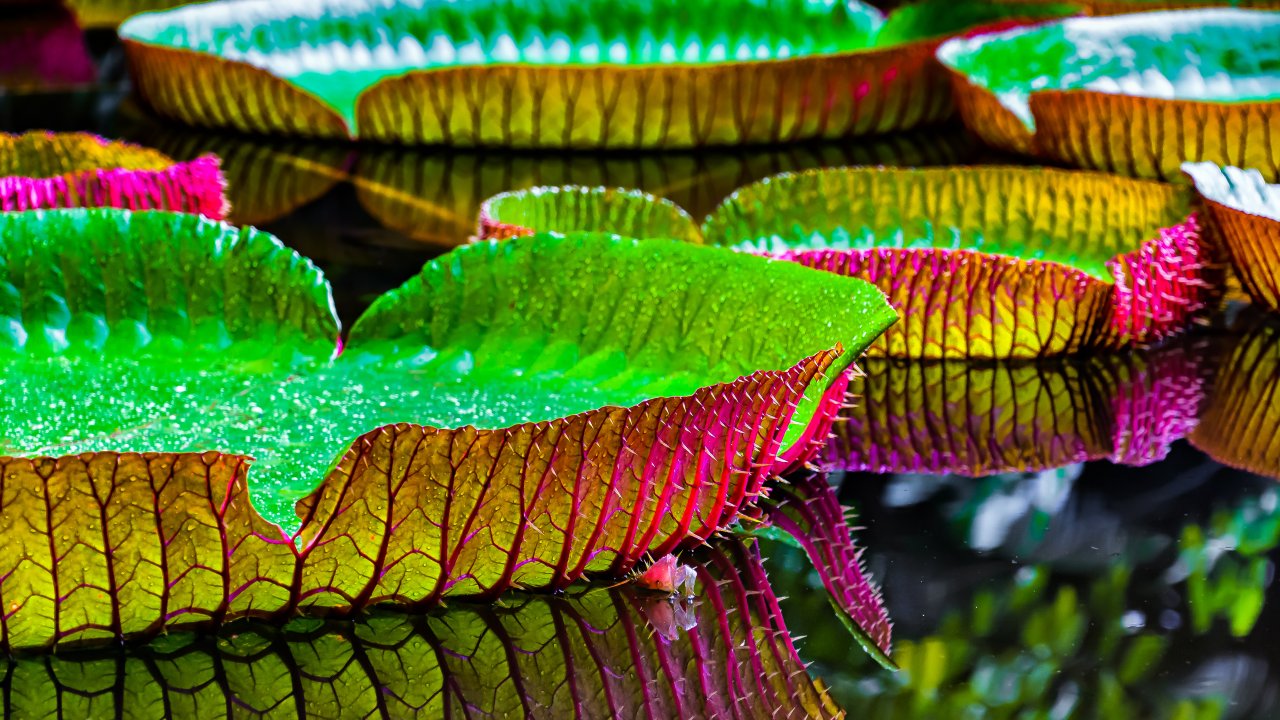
[805,512]
[433,195]
[593,653]
[977,418]
[1165,620]
[1241,422]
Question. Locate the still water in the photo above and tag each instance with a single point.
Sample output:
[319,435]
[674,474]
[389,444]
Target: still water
[1056,540]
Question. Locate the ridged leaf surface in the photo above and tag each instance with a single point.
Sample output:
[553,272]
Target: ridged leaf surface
[1241,422]
[543,73]
[1120,93]
[515,423]
[597,653]
[984,262]
[1245,211]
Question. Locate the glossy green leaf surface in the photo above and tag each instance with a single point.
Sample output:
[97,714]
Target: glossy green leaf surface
[335,50]
[980,262]
[236,358]
[518,415]
[1217,55]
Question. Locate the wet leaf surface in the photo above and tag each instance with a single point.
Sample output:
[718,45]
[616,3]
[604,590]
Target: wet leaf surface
[980,263]
[559,427]
[650,74]
[1118,93]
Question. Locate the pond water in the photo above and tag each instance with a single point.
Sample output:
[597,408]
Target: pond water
[1102,566]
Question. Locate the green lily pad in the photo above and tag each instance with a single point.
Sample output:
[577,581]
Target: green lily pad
[1246,212]
[522,413]
[1137,94]
[543,73]
[981,262]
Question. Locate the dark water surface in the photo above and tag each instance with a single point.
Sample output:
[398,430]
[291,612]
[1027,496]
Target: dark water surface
[1129,575]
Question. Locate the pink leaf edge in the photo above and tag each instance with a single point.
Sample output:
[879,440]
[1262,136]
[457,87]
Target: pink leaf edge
[193,186]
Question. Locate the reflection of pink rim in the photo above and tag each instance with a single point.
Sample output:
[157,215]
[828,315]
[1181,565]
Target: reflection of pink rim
[1128,409]
[808,510]
[1155,407]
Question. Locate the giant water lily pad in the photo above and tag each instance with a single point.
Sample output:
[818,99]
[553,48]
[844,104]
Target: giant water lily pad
[1241,422]
[41,170]
[990,262]
[545,73]
[979,419]
[1246,212]
[1136,94]
[517,415]
[599,653]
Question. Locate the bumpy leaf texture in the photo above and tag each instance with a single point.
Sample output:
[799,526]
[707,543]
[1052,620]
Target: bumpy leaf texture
[975,419]
[43,170]
[1245,212]
[519,425]
[595,654]
[990,262]
[545,73]
[1118,93]
[1241,422]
